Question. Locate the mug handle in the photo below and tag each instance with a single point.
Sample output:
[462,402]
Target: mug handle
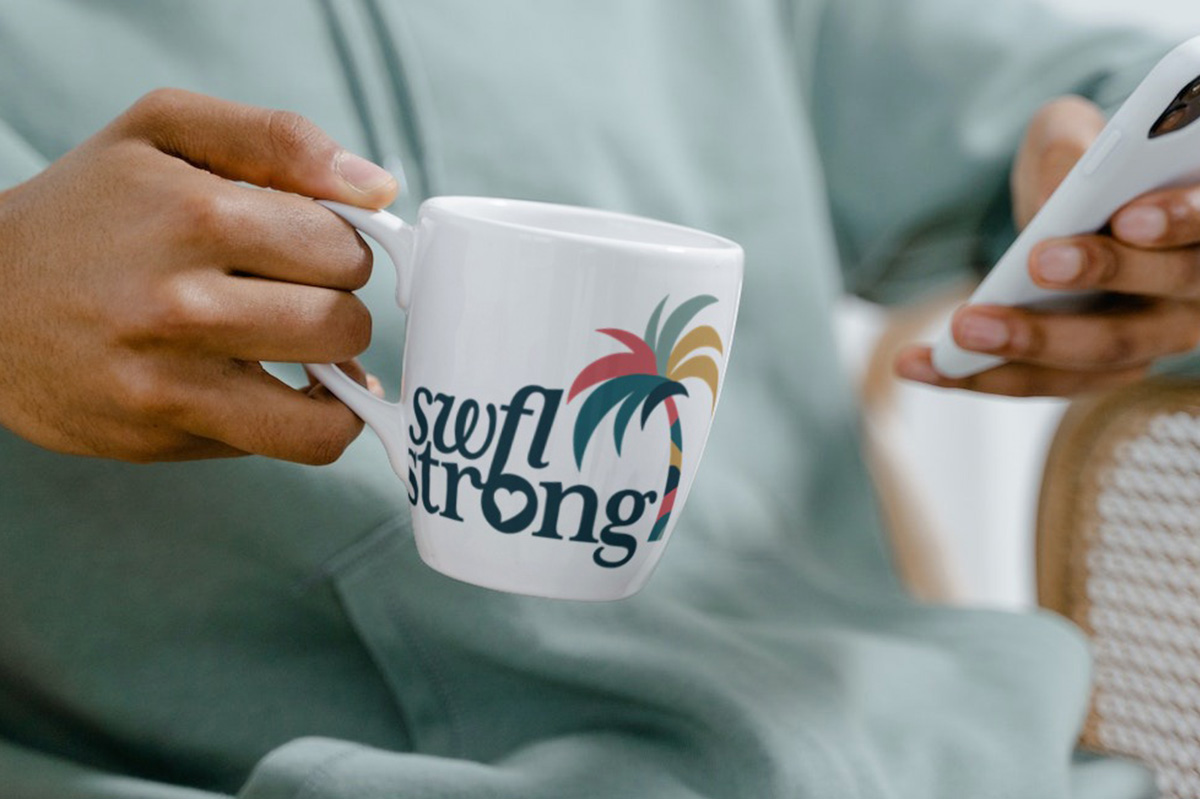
[386,418]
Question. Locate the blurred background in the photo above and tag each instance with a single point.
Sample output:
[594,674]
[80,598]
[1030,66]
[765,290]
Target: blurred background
[971,466]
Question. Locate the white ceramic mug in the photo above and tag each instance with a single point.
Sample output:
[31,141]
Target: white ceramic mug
[561,369]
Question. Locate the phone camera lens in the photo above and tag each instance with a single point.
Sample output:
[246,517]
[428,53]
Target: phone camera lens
[1176,118]
[1173,121]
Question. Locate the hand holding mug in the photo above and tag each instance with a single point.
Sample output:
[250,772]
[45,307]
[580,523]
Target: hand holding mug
[562,365]
[142,286]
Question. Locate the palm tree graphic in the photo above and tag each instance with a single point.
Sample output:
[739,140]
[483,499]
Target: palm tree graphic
[649,374]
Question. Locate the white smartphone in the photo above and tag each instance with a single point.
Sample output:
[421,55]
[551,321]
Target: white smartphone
[1153,142]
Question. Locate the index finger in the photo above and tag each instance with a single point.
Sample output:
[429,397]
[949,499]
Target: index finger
[269,148]
[1161,220]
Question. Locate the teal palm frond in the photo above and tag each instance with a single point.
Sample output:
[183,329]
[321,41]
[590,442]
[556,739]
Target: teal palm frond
[627,410]
[668,388]
[602,400]
[652,326]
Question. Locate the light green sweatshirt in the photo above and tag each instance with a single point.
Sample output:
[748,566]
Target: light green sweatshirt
[266,630]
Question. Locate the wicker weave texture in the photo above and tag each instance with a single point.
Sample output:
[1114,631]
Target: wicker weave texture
[1122,534]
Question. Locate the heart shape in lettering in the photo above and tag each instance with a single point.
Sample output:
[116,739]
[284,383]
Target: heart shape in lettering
[510,503]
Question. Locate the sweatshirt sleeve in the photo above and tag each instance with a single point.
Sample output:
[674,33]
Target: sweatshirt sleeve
[605,764]
[583,764]
[920,106]
[25,774]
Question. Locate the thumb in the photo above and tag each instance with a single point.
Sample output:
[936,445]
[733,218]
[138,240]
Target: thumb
[1059,135]
[275,149]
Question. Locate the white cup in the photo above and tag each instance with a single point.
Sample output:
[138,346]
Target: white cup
[561,369]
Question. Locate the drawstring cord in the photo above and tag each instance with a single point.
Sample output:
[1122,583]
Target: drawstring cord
[354,81]
[405,106]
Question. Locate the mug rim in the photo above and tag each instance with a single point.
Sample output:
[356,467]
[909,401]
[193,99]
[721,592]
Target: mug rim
[473,209]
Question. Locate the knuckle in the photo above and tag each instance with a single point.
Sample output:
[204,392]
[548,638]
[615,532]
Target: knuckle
[203,215]
[1185,280]
[1116,348]
[156,107]
[332,443]
[291,135]
[1032,341]
[175,311]
[1102,266]
[147,395]
[359,265]
[350,331]
[359,334]
[343,254]
[183,308]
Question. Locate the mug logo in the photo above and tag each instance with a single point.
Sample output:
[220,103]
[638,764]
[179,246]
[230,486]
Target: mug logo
[649,374]
[500,454]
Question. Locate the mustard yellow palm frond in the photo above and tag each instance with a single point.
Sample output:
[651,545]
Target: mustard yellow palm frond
[701,366]
[703,336]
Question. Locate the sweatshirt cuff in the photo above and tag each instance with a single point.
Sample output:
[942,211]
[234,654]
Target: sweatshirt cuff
[296,769]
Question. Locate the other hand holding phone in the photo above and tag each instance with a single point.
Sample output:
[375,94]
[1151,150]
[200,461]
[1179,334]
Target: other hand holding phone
[1062,314]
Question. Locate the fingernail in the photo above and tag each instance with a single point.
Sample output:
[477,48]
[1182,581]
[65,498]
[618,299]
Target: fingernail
[919,370]
[1192,199]
[1142,225]
[360,173]
[982,333]
[374,386]
[1061,263]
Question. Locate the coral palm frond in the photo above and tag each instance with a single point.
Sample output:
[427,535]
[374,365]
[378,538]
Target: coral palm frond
[606,368]
[636,345]
[639,360]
